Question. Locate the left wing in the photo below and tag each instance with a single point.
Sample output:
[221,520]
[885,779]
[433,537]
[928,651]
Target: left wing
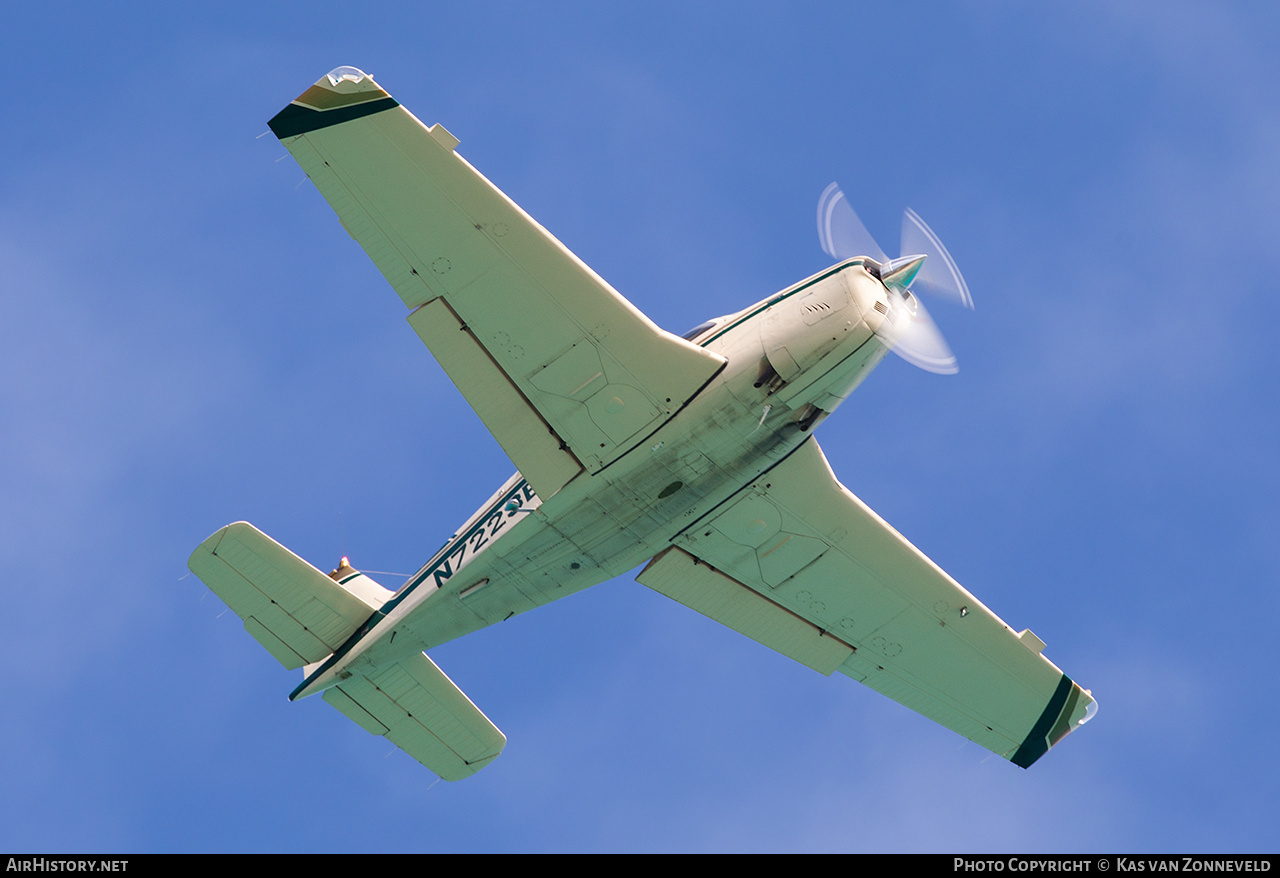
[563,370]
[798,563]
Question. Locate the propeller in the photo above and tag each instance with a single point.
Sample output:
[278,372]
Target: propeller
[925,266]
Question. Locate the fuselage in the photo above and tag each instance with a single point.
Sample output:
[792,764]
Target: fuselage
[791,360]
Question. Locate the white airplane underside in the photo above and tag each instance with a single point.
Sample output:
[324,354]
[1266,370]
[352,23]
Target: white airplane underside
[633,445]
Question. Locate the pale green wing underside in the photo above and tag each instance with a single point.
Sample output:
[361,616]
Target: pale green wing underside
[800,564]
[564,371]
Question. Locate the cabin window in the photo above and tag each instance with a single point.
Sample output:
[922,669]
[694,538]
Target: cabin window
[698,330]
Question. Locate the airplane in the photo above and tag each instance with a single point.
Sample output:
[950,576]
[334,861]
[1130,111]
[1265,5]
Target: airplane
[692,455]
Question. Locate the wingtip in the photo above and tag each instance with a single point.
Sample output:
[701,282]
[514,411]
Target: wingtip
[342,94]
[1068,709]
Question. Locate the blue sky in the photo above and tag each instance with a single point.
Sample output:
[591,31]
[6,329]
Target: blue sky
[192,340]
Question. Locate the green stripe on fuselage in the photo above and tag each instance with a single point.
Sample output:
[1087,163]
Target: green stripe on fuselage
[778,297]
[381,613]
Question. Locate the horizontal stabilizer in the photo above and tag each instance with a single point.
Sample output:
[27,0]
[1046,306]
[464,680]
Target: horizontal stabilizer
[424,713]
[291,608]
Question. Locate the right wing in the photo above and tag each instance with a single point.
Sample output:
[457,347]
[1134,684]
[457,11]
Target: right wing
[563,370]
[797,562]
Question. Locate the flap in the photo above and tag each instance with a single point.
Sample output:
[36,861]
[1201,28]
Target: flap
[678,575]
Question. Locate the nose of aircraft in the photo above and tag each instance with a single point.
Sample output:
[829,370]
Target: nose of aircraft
[901,271]
[872,300]
[898,318]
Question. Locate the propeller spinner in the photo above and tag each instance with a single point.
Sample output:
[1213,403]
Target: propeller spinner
[925,266]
